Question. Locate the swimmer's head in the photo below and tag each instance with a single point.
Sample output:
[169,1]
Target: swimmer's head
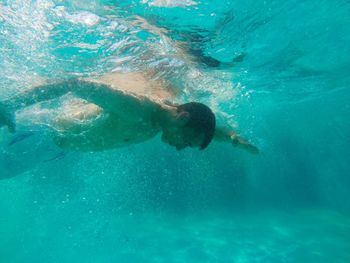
[194,127]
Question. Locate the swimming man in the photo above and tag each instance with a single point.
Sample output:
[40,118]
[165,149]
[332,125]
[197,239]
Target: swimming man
[120,109]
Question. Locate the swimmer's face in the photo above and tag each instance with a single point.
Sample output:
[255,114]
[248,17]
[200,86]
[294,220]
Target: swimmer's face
[182,137]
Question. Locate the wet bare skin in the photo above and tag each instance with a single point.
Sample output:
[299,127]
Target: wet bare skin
[91,128]
[88,127]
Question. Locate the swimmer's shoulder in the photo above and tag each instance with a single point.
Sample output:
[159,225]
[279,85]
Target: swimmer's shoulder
[142,84]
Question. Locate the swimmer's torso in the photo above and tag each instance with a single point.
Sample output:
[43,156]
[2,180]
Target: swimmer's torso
[86,127]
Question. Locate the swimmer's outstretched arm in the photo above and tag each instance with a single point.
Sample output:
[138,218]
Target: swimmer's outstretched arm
[100,94]
[97,93]
[225,135]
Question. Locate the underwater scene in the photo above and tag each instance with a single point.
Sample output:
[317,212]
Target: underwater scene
[174,131]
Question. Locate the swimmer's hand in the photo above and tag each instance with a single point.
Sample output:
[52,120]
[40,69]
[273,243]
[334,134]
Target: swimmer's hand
[224,134]
[7,118]
[242,143]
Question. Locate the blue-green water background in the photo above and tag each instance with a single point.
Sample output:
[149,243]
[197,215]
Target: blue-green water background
[288,92]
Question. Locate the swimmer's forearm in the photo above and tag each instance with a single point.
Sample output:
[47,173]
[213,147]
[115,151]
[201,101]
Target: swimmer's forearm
[37,94]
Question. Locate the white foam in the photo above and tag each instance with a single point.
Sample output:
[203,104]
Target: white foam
[170,3]
[83,17]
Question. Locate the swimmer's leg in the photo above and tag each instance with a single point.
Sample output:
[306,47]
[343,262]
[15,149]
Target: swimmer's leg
[18,156]
[7,118]
[20,137]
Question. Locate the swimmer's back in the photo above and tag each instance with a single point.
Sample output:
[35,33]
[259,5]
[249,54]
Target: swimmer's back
[138,83]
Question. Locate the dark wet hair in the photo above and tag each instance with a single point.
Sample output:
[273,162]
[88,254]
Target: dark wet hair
[201,119]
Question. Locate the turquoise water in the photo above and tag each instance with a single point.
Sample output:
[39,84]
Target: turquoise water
[277,71]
